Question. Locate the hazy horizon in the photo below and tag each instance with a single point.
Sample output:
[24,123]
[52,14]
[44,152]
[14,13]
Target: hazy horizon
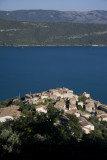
[60,5]
[55,10]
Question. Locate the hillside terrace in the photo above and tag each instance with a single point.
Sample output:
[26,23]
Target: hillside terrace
[61,99]
[67,101]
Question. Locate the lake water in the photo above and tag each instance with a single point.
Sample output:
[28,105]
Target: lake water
[36,69]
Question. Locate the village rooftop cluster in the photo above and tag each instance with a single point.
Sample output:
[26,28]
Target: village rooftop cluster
[82,106]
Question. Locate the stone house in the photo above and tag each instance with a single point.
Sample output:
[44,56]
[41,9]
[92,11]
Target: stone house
[6,118]
[27,96]
[70,112]
[86,125]
[100,113]
[60,105]
[56,92]
[103,108]
[88,101]
[62,92]
[10,112]
[45,95]
[41,108]
[80,103]
[76,97]
[103,118]
[83,114]
[33,100]
[73,100]
[72,107]
[86,95]
[39,101]
[53,97]
[90,107]
[77,114]
[67,94]
[97,104]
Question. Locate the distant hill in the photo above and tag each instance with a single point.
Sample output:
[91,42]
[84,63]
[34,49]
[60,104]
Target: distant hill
[34,33]
[96,17]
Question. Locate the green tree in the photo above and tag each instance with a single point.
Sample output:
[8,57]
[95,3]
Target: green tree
[52,113]
[6,103]
[82,98]
[10,141]
[73,124]
[80,108]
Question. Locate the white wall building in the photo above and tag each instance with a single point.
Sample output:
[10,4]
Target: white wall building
[6,118]
[41,108]
[86,125]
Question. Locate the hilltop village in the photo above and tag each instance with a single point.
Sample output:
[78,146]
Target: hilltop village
[63,99]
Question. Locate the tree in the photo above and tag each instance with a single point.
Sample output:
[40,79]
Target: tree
[73,124]
[52,113]
[10,141]
[6,103]
[80,108]
[82,98]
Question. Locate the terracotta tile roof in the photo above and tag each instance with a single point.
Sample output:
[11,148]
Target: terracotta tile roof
[70,112]
[10,111]
[104,116]
[72,106]
[40,106]
[60,104]
[83,122]
[28,95]
[100,113]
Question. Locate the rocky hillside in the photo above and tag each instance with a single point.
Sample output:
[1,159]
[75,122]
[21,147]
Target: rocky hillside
[96,17]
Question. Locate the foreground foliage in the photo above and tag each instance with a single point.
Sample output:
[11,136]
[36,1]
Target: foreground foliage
[51,135]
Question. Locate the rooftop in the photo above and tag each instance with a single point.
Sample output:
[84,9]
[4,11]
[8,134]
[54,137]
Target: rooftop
[10,111]
[84,122]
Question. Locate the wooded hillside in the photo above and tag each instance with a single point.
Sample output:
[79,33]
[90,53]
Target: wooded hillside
[31,33]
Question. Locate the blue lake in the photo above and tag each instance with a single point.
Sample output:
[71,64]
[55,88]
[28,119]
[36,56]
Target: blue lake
[36,69]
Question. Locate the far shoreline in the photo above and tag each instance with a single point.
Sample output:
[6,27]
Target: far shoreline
[53,45]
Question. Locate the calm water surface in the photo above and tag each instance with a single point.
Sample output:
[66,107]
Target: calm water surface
[35,69]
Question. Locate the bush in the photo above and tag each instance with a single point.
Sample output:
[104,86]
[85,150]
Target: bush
[83,98]
[6,103]
[80,108]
